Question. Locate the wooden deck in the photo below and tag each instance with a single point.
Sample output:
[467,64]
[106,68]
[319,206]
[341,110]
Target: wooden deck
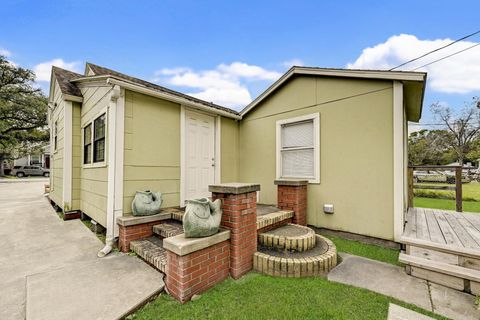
[450,229]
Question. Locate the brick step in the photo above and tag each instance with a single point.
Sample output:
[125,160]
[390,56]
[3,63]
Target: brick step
[168,229]
[452,276]
[274,219]
[292,237]
[151,250]
[315,262]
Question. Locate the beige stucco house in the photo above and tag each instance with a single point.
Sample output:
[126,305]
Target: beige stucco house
[343,130]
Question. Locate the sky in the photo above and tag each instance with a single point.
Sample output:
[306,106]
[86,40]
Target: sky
[228,52]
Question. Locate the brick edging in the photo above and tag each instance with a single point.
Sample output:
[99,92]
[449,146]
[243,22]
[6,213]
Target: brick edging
[297,267]
[297,243]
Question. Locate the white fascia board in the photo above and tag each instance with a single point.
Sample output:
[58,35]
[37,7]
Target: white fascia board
[346,73]
[398,161]
[171,97]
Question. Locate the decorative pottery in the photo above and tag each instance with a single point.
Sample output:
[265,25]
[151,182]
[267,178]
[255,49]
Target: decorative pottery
[202,218]
[146,203]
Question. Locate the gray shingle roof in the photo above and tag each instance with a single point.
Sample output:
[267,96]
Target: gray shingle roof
[98,71]
[63,77]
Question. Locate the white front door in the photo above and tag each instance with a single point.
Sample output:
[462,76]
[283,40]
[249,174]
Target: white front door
[199,154]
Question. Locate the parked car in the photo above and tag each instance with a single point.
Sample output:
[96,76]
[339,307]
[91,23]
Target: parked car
[23,171]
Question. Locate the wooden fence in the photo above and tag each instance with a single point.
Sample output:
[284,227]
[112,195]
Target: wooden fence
[457,188]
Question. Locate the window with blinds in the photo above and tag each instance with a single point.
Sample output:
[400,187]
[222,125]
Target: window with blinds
[298,148]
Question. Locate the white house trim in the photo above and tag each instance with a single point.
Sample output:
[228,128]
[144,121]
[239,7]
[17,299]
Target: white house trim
[182,156]
[316,144]
[398,161]
[346,73]
[67,155]
[111,151]
[119,157]
[172,97]
[218,141]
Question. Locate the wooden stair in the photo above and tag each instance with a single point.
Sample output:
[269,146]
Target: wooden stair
[454,267]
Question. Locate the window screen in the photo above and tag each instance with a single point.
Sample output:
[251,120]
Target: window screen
[297,150]
[87,144]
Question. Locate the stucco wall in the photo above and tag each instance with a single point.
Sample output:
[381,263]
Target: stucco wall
[356,151]
[93,178]
[152,148]
[229,150]
[56,159]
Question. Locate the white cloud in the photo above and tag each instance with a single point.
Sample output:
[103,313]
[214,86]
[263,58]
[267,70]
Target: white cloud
[457,74]
[43,70]
[224,85]
[5,52]
[294,62]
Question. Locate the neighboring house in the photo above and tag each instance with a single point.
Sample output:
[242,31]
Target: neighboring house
[41,159]
[343,130]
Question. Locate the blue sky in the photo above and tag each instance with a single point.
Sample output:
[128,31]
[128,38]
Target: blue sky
[229,51]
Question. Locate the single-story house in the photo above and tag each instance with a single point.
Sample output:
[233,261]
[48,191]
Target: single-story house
[345,131]
[40,158]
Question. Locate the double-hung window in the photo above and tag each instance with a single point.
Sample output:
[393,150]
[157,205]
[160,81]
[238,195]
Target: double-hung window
[99,139]
[55,135]
[94,141]
[298,148]
[87,144]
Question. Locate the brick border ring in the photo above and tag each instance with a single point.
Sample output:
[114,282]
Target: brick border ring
[300,243]
[318,265]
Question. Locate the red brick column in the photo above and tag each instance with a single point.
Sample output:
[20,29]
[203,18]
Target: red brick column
[240,216]
[134,232]
[292,195]
[198,271]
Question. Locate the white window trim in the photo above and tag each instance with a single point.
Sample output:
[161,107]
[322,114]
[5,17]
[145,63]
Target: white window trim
[105,160]
[316,145]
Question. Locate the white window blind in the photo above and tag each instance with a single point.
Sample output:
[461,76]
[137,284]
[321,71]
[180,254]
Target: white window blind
[298,149]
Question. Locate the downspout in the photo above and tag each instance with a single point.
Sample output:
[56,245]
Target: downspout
[111,131]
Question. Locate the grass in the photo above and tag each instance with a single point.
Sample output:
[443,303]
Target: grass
[366,250]
[257,296]
[470,195]
[101,236]
[469,206]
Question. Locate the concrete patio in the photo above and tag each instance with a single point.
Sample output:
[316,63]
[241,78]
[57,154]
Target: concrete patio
[49,268]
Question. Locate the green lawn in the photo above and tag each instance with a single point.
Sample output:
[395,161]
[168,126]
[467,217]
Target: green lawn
[257,296]
[369,251]
[469,206]
[470,195]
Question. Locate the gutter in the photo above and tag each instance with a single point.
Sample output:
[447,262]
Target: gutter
[170,97]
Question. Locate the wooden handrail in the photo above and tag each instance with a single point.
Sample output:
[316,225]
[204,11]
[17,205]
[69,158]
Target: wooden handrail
[457,188]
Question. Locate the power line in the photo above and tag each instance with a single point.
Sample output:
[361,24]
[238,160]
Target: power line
[435,50]
[450,55]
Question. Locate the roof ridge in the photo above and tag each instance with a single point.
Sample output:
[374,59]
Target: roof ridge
[99,70]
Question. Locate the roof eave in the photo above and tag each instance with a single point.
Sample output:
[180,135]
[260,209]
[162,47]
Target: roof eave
[170,97]
[362,74]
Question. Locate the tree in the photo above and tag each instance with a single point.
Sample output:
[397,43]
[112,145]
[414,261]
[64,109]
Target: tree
[464,127]
[429,147]
[23,112]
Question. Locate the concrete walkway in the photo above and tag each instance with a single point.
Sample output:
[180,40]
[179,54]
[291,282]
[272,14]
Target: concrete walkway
[49,268]
[392,281]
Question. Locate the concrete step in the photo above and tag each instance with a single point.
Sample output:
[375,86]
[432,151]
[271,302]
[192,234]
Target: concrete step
[151,250]
[292,237]
[452,276]
[274,219]
[168,229]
